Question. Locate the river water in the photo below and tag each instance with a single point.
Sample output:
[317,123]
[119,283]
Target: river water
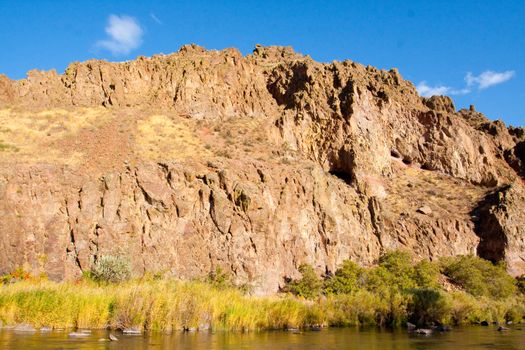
[335,338]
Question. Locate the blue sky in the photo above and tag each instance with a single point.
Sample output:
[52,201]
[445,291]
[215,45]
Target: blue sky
[472,50]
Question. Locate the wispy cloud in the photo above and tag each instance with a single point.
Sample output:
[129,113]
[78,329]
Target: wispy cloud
[479,82]
[155,18]
[488,78]
[426,90]
[124,35]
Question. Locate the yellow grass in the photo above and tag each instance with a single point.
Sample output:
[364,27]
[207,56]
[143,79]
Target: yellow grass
[29,135]
[151,305]
[160,137]
[168,305]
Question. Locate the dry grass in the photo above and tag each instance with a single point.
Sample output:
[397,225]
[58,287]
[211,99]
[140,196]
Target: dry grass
[29,136]
[153,305]
[161,137]
[169,305]
[101,139]
[411,188]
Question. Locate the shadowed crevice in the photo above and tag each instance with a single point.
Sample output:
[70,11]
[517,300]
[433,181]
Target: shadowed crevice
[487,227]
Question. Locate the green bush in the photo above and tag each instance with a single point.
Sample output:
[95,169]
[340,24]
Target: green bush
[479,277]
[112,269]
[515,311]
[400,269]
[521,284]
[348,278]
[379,280]
[426,274]
[397,290]
[309,286]
[359,307]
[428,306]
[395,272]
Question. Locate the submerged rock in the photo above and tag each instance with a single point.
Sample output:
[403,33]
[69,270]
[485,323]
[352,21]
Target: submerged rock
[79,334]
[132,331]
[443,328]
[24,328]
[293,330]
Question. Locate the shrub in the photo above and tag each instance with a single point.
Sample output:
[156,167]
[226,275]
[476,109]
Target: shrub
[479,277]
[428,306]
[112,269]
[400,270]
[359,307]
[349,277]
[426,274]
[309,286]
[515,311]
[464,308]
[19,274]
[379,280]
[394,273]
[219,279]
[521,284]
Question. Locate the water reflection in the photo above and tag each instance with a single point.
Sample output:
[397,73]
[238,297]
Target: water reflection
[331,339]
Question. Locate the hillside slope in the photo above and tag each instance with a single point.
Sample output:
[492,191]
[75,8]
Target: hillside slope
[199,159]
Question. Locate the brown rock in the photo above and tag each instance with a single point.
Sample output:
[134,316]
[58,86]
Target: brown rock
[501,227]
[425,210]
[198,159]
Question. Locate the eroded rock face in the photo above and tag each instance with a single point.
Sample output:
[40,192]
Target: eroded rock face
[338,161]
[257,222]
[500,227]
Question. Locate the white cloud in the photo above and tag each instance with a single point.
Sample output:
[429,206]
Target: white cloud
[484,80]
[425,90]
[124,35]
[488,78]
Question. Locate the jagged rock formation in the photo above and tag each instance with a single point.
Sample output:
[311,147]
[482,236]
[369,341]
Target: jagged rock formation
[199,159]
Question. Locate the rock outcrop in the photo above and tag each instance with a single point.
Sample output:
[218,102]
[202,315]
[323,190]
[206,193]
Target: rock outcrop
[199,159]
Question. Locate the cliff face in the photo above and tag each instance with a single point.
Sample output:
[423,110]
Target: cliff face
[257,164]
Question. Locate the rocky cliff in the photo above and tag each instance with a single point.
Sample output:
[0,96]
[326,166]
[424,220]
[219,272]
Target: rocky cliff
[257,163]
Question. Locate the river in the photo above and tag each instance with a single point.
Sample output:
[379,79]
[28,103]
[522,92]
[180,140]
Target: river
[329,339]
